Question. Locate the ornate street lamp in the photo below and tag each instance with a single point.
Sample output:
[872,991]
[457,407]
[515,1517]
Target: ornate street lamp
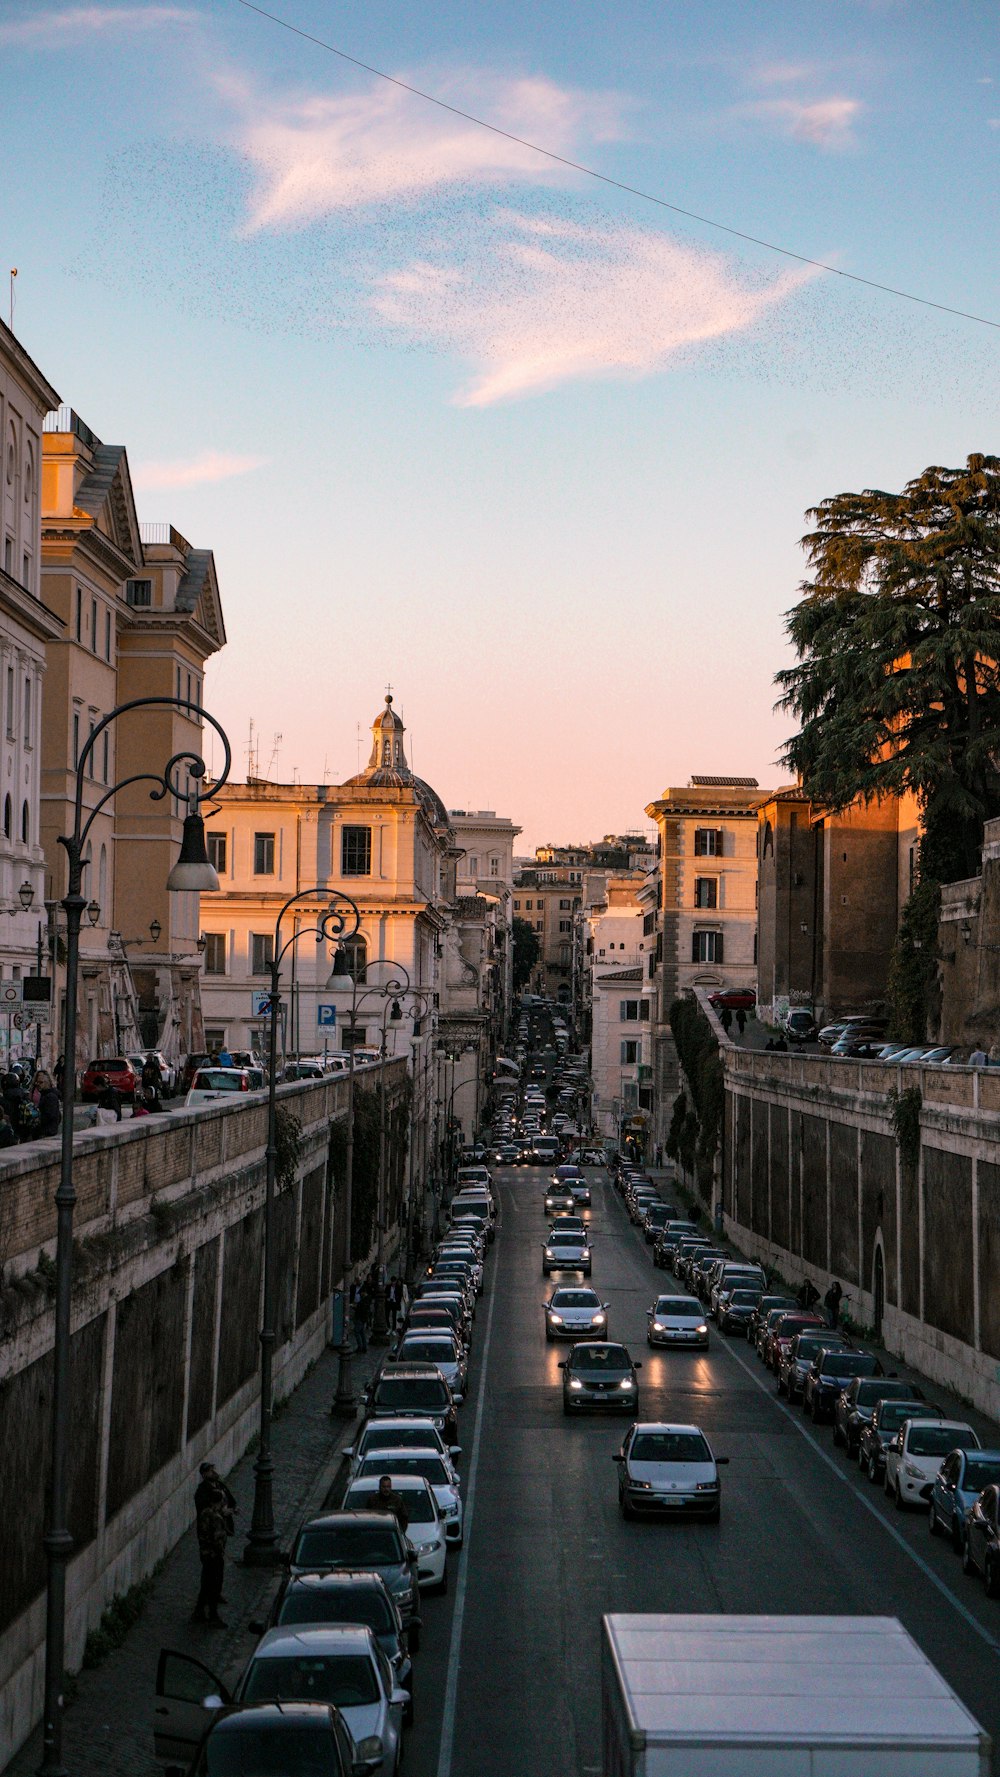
[192,872]
[262,1543]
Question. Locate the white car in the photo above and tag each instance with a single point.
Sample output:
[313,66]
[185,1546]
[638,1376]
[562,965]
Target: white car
[425,1532]
[677,1320]
[914,1455]
[442,1349]
[340,1664]
[212,1083]
[670,1469]
[436,1469]
[566,1250]
[576,1314]
[398,1434]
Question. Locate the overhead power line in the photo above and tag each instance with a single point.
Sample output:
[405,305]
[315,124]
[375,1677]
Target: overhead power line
[647,197]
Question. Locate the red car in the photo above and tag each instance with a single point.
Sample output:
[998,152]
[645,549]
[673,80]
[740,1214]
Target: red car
[738,999]
[115,1069]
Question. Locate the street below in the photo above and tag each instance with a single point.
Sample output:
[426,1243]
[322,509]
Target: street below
[508,1674]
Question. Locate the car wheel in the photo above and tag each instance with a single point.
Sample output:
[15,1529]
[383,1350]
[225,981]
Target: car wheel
[548,1337]
[566,1409]
[838,1436]
[968,1565]
[442,1587]
[933,1522]
[713,1517]
[626,1510]
[408,1712]
[779,1386]
[956,1536]
[991,1578]
[886,1483]
[897,1498]
[872,1470]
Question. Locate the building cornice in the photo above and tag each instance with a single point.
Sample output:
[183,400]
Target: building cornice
[83,534]
[25,367]
[16,602]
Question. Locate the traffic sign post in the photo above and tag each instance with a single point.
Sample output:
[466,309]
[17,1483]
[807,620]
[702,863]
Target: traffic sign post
[326,1016]
[11,995]
[261,1002]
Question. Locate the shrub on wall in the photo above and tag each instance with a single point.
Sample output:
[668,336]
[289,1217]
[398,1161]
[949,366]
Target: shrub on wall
[701,1129]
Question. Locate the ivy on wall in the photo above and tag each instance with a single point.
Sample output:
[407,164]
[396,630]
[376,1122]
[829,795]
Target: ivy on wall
[906,1107]
[288,1141]
[699,1130]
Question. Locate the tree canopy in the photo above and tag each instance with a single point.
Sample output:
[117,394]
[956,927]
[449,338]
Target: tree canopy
[897,684]
[526,949]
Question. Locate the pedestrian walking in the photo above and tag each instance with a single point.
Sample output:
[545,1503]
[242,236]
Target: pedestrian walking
[741,1020]
[832,1301]
[978,1057]
[60,1074]
[807,1294]
[359,1312]
[726,1019]
[394,1300]
[152,1075]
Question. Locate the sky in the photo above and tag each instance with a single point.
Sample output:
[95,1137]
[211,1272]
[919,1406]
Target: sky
[455,417]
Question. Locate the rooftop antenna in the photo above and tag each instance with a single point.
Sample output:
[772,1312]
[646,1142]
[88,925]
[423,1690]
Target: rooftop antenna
[251,754]
[272,769]
[326,768]
[13,275]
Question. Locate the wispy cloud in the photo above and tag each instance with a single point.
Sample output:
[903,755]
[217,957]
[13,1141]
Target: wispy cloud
[63,26]
[208,466]
[556,301]
[318,155]
[825,123]
[783,73]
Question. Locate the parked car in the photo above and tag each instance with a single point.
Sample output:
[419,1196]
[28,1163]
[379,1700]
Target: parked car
[736,1309]
[981,1542]
[914,1455]
[885,1422]
[737,999]
[671,1469]
[345,1597]
[414,1391]
[267,1736]
[600,1377]
[304,1070]
[212,1083]
[117,1070]
[794,1364]
[368,1542]
[437,1470]
[198,1058]
[858,1021]
[829,1373]
[800,1026]
[425,1531]
[854,1407]
[960,1480]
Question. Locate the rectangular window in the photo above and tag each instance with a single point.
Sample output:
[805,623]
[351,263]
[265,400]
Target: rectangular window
[107,633]
[644,1011]
[648,924]
[494,866]
[353,1036]
[630,1053]
[27,712]
[564,906]
[76,741]
[8,555]
[79,613]
[11,720]
[261,952]
[356,851]
[215,1038]
[139,594]
[706,891]
[217,852]
[706,947]
[104,773]
[628,1011]
[93,626]
[263,854]
[26,569]
[189,687]
[215,954]
[539,925]
[90,756]
[517,906]
[565,925]
[708,842]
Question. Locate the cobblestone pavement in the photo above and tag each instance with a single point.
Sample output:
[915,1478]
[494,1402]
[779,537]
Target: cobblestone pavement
[108,1728]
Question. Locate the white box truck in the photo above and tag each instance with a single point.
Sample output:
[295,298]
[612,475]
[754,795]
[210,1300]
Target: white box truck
[721,1696]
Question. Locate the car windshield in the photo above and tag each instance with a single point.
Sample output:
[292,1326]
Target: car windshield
[398,1391]
[849,1363]
[807,1344]
[575,1299]
[430,1466]
[270,1751]
[348,1680]
[349,1545]
[937,1440]
[683,1306]
[980,1471]
[337,1604]
[395,1437]
[429,1351]
[891,1416]
[869,1392]
[669,1446]
[567,1174]
[216,1080]
[419,1504]
[744,1298]
[600,1357]
[571,1238]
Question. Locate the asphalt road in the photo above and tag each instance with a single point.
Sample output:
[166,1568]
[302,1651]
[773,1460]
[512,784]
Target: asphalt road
[508,1676]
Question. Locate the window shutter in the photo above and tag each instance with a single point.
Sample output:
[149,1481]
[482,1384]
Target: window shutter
[718,947]
[695,958]
[718,842]
[644,1010]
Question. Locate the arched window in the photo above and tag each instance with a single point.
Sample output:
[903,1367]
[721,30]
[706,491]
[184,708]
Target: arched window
[25,823]
[8,817]
[355,955]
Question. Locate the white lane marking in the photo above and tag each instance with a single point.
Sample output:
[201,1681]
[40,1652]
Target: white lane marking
[458,1617]
[842,1475]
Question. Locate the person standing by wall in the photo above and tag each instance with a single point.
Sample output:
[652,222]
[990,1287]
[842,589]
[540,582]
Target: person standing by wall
[832,1301]
[215,1506]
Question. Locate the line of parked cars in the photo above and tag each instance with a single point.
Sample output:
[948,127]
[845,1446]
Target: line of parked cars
[329,1687]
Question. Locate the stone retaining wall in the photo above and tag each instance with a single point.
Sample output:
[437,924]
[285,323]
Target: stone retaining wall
[814,1182]
[165,1332]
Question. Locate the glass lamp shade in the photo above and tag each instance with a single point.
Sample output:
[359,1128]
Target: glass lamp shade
[192,872]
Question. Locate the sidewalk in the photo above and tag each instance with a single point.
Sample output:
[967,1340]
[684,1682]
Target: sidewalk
[108,1728]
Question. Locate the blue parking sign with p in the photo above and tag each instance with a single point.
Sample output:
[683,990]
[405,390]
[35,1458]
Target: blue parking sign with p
[326,1015]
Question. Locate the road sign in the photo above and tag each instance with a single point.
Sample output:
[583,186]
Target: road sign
[10,995]
[261,1002]
[29,1016]
[326,1015]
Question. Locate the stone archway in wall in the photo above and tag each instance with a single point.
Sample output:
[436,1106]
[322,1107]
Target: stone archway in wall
[878,1285]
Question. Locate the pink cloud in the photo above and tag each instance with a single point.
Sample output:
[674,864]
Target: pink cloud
[208,466]
[825,123]
[317,156]
[555,301]
[66,25]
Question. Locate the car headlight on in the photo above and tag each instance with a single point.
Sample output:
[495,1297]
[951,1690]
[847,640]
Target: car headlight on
[626,1382]
[598,1320]
[575,1382]
[702,1329]
[549,1254]
[659,1326]
[556,1319]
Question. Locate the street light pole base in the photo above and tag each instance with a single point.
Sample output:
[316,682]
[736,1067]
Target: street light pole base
[262,1554]
[345,1401]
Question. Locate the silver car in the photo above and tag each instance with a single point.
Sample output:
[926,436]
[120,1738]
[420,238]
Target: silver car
[576,1314]
[436,1469]
[677,1320]
[442,1349]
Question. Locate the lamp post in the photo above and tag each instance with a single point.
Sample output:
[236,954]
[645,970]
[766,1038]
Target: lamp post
[194,873]
[425,998]
[262,1543]
[344,1401]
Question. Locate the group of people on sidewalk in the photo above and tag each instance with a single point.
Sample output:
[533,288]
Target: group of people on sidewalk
[807,1296]
[31,1106]
[363,1293]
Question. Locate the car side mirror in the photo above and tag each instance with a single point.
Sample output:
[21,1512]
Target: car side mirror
[618,1457]
[348,1450]
[454,1449]
[400,1697]
[562,1363]
[212,1701]
[722,1462]
[255,1628]
[637,1364]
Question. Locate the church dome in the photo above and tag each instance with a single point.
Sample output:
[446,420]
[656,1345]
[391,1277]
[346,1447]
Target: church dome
[387,767]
